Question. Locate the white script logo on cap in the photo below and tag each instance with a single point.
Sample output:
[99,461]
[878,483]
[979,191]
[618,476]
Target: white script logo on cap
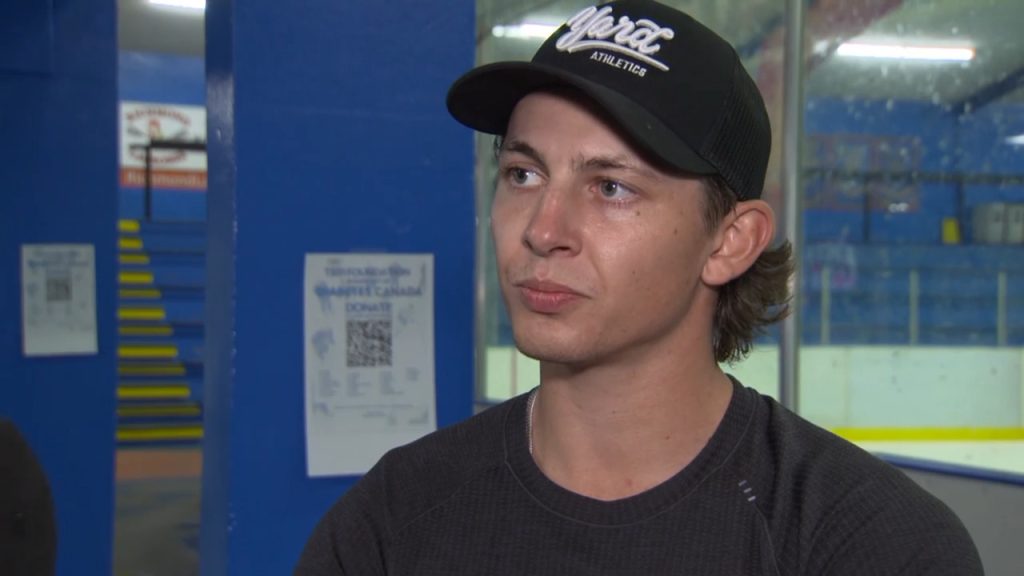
[591,27]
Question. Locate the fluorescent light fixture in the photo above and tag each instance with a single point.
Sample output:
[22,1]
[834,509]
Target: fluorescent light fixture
[190,4]
[1017,140]
[525,31]
[906,52]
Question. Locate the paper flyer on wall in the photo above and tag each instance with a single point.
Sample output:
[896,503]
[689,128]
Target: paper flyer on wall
[369,357]
[58,299]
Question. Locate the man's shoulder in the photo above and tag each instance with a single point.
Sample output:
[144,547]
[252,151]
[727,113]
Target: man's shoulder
[853,507]
[808,457]
[426,472]
[468,445]
[405,485]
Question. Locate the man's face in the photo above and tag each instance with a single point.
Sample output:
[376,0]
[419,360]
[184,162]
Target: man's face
[599,253]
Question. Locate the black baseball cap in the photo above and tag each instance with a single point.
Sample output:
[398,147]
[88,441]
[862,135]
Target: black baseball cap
[674,86]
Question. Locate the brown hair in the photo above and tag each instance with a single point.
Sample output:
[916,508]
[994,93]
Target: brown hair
[758,297]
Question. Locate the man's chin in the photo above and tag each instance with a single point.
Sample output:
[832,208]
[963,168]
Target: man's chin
[551,351]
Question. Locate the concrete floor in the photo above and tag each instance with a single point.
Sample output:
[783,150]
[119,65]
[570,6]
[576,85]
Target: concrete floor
[156,516]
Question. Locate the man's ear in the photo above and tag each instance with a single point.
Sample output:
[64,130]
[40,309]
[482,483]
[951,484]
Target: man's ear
[741,237]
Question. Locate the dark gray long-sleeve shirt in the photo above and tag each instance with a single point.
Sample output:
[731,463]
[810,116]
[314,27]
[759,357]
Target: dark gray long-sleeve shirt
[770,494]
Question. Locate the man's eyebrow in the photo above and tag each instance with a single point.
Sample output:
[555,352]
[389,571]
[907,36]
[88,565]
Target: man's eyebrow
[520,147]
[618,162]
[584,163]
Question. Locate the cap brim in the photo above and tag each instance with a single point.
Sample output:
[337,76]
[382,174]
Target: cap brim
[483,99]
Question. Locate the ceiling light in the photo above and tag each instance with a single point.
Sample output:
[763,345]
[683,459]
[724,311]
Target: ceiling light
[526,31]
[906,52]
[1017,140]
[190,4]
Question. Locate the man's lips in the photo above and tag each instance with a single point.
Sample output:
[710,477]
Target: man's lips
[546,297]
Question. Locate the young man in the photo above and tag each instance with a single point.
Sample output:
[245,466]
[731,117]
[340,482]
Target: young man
[633,255]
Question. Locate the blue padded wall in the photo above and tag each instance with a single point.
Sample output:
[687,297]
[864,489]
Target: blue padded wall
[59,172]
[327,133]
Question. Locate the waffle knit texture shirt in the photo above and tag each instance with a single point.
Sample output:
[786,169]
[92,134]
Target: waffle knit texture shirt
[770,494]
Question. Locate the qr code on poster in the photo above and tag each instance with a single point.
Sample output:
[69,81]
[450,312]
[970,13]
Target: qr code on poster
[58,289]
[369,343]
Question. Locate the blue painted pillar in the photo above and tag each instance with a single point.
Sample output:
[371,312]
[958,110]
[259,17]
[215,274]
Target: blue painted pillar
[58,176]
[327,133]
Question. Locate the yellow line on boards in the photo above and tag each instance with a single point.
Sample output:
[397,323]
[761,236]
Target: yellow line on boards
[128,226]
[151,370]
[147,293]
[135,277]
[145,331]
[143,434]
[146,382]
[139,259]
[132,313]
[156,411]
[147,351]
[150,392]
[928,434]
[125,243]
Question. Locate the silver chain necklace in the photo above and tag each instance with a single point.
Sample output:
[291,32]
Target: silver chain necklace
[530,403]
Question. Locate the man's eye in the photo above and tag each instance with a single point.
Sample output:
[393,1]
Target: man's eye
[612,190]
[522,176]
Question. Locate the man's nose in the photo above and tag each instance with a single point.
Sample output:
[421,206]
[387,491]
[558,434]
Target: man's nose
[554,224]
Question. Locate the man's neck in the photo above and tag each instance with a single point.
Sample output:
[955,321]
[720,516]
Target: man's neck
[610,432]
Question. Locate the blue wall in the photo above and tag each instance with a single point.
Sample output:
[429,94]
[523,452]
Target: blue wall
[327,133]
[59,173]
[149,77]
